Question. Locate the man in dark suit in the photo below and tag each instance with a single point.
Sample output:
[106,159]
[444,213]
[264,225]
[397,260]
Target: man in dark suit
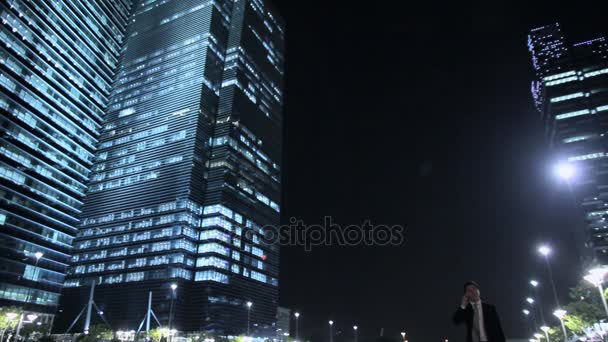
[481,319]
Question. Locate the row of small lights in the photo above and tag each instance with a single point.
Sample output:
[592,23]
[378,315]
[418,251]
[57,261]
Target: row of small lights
[596,276]
[355,329]
[123,335]
[566,171]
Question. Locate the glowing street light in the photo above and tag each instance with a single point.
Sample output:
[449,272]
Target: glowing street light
[173,288]
[596,277]
[545,250]
[534,322]
[539,306]
[249,304]
[565,171]
[403,335]
[526,312]
[546,329]
[560,313]
[355,331]
[38,255]
[331,331]
[297,315]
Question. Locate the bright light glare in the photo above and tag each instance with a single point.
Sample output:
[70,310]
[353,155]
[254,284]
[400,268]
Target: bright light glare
[544,250]
[565,171]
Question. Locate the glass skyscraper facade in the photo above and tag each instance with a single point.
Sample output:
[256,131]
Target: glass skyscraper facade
[571,93]
[57,64]
[187,172]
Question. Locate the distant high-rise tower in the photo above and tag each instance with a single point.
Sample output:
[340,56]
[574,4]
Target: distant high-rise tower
[571,93]
[187,172]
[57,63]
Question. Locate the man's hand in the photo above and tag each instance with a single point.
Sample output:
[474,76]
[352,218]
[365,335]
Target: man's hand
[465,301]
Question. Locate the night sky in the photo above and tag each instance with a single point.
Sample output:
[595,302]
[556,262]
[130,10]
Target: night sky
[421,115]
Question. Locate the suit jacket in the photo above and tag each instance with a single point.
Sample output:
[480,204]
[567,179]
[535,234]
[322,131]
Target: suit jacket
[491,322]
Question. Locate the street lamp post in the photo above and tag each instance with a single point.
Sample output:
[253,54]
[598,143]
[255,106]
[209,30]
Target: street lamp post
[539,306]
[403,335]
[249,304]
[297,315]
[596,277]
[545,329]
[560,313]
[531,302]
[38,255]
[545,251]
[527,313]
[331,331]
[355,332]
[173,288]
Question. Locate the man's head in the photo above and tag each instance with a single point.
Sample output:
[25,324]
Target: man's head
[471,290]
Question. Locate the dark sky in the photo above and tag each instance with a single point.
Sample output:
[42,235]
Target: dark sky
[420,115]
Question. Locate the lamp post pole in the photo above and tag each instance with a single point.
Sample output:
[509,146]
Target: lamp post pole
[249,304]
[545,251]
[38,256]
[173,288]
[539,306]
[545,329]
[560,313]
[596,277]
[297,315]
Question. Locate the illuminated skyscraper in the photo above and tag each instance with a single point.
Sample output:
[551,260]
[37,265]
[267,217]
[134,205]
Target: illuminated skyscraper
[187,172]
[571,93]
[57,63]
